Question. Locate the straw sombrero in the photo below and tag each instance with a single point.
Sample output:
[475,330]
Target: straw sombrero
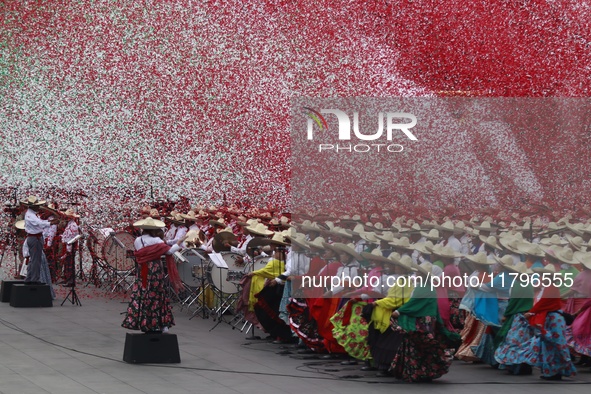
[349,249]
[432,235]
[149,224]
[375,255]
[32,200]
[490,241]
[506,262]
[259,229]
[479,258]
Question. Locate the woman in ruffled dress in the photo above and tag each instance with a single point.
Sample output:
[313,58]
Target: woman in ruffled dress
[423,353]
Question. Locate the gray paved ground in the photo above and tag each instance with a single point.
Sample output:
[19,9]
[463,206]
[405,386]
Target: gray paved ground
[79,350]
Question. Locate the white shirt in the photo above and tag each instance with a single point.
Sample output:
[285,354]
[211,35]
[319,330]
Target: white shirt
[147,240]
[241,249]
[69,234]
[34,224]
[180,232]
[346,272]
[50,232]
[295,264]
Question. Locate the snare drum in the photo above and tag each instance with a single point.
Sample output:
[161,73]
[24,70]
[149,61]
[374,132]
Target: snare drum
[191,273]
[218,277]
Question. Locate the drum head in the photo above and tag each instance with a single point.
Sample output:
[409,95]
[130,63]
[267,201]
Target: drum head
[218,277]
[260,262]
[191,273]
[116,256]
[96,241]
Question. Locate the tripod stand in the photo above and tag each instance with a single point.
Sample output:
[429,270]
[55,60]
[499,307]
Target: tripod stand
[71,262]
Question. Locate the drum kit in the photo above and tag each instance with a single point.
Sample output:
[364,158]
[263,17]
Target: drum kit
[203,278]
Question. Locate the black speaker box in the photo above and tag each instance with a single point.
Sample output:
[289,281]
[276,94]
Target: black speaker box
[6,289]
[30,295]
[151,348]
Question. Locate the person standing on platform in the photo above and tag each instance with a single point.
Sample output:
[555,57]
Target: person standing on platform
[37,268]
[149,309]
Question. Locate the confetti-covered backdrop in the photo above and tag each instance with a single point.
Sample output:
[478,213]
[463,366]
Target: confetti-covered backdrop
[124,100]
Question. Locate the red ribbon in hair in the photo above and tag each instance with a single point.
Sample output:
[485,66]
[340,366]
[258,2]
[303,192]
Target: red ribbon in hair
[153,252]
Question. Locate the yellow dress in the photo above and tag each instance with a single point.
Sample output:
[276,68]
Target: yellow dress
[273,269]
[397,296]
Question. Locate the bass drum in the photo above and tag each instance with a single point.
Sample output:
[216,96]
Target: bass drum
[96,241]
[260,262]
[218,277]
[191,273]
[115,255]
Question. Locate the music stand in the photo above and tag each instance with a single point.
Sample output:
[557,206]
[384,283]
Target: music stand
[72,295]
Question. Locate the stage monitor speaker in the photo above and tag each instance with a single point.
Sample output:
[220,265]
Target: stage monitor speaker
[151,348]
[6,289]
[28,295]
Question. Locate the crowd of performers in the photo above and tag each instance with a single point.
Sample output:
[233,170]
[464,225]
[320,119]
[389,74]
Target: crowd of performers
[523,301]
[529,304]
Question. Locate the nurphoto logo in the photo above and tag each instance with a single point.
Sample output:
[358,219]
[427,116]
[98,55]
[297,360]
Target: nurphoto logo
[395,122]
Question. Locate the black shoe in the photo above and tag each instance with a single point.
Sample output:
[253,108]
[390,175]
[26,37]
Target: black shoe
[383,374]
[349,362]
[553,377]
[306,351]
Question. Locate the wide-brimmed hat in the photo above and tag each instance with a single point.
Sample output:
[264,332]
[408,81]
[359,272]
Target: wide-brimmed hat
[349,249]
[576,228]
[299,240]
[176,218]
[149,224]
[278,239]
[221,238]
[506,261]
[425,268]
[551,228]
[444,251]
[375,255]
[521,268]
[387,236]
[584,259]
[369,237]
[317,243]
[71,213]
[402,243]
[566,255]
[510,243]
[479,258]
[404,261]
[218,223]
[190,216]
[423,247]
[550,269]
[576,243]
[20,225]
[530,249]
[446,226]
[486,226]
[32,200]
[312,227]
[553,240]
[259,229]
[491,241]
[433,234]
[415,228]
